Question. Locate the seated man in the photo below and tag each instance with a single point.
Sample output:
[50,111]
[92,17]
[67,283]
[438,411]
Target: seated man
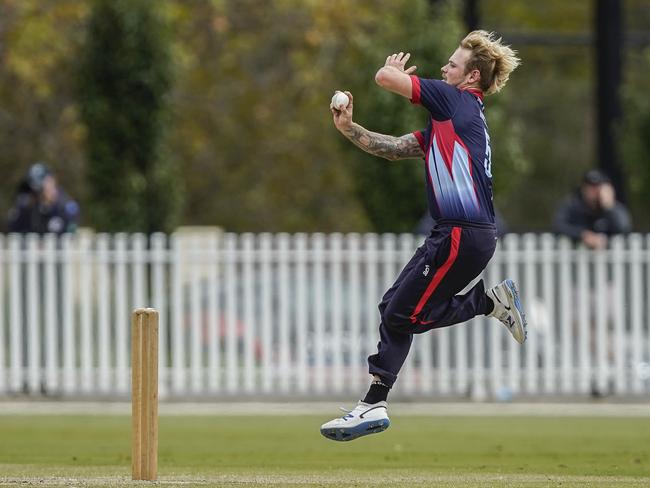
[592,214]
[41,206]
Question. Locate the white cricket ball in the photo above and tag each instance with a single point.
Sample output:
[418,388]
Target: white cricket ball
[340,100]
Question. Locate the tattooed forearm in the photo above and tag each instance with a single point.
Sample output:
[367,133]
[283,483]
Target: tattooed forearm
[388,147]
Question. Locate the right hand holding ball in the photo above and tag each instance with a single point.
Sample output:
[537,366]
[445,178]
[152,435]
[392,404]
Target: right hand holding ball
[341,108]
[339,101]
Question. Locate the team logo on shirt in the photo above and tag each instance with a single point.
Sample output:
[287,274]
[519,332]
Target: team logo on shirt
[426,270]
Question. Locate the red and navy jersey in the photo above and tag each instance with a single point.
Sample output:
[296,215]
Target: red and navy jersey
[456,145]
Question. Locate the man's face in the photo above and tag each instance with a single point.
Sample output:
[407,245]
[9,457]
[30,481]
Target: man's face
[591,194]
[453,72]
[49,191]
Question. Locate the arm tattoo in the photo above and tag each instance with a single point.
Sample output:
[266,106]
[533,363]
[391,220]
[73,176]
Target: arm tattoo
[388,147]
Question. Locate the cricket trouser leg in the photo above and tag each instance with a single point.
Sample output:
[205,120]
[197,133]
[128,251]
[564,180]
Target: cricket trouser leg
[425,295]
[399,343]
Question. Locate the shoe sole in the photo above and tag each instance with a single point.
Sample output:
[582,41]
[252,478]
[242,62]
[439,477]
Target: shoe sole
[344,434]
[520,333]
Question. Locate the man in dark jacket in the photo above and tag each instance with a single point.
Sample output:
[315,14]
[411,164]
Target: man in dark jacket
[41,206]
[593,214]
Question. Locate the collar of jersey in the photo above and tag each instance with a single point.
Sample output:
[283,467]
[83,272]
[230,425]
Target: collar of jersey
[474,91]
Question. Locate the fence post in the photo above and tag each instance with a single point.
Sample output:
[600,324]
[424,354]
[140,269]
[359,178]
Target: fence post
[32,306]
[301,366]
[336,312]
[177,324]
[157,256]
[284,318]
[602,315]
[548,290]
[318,342]
[3,337]
[121,293]
[637,303]
[103,314]
[619,317]
[232,286]
[584,319]
[266,318]
[195,267]
[248,296]
[16,313]
[566,303]
[215,318]
[84,265]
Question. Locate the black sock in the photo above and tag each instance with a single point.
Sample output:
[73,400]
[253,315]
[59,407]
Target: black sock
[378,392]
[489,305]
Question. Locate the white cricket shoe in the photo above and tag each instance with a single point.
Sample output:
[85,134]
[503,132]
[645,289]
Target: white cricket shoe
[364,419]
[508,309]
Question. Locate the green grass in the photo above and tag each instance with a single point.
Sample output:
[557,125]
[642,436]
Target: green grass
[288,451]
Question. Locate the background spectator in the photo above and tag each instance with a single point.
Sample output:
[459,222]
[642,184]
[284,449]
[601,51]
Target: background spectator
[41,206]
[592,213]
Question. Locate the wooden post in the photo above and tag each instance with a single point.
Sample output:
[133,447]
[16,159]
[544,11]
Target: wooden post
[144,393]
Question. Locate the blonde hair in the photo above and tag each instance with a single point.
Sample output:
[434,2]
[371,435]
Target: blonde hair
[494,60]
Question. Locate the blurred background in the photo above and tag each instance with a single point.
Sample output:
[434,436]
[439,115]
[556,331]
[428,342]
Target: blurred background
[216,112]
[193,144]
[181,155]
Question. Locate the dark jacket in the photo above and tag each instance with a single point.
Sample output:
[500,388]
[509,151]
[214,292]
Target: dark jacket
[29,215]
[574,216]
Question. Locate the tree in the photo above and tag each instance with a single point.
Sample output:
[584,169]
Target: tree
[248,117]
[393,194]
[255,131]
[634,133]
[124,77]
[38,116]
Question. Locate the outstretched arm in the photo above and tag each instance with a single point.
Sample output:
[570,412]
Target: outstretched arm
[394,77]
[382,145]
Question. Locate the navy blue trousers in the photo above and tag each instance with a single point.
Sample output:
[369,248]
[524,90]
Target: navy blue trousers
[425,294]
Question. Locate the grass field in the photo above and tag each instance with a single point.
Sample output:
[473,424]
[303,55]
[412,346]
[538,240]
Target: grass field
[288,451]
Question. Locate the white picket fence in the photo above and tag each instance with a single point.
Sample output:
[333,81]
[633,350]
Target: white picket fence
[279,315]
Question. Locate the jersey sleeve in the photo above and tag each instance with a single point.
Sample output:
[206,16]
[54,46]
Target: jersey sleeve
[438,97]
[423,137]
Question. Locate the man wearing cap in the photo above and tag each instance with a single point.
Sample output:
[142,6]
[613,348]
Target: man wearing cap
[41,206]
[592,214]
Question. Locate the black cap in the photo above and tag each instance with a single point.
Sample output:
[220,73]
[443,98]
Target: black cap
[36,176]
[595,177]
